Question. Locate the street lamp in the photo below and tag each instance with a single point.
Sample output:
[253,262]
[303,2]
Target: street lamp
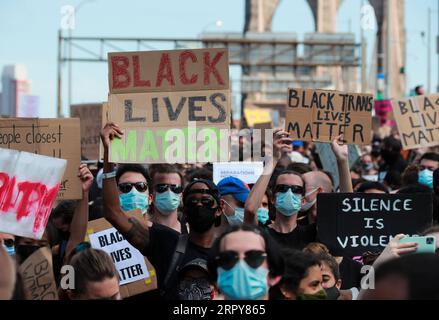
[218,23]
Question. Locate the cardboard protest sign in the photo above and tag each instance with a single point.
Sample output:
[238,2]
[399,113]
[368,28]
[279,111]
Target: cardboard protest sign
[59,138]
[174,70]
[184,120]
[246,171]
[417,120]
[91,125]
[360,222]
[171,145]
[321,115]
[37,276]
[137,275]
[170,109]
[29,184]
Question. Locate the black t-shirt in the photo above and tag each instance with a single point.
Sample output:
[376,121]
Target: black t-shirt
[194,251]
[163,242]
[350,273]
[296,239]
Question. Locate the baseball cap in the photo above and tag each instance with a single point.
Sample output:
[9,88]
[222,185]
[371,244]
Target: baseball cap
[235,187]
[197,263]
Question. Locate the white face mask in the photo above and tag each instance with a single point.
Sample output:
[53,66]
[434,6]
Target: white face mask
[308,205]
[373,177]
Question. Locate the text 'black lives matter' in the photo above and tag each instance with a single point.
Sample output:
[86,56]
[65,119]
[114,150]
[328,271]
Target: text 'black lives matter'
[321,115]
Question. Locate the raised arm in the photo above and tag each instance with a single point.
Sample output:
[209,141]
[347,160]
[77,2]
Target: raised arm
[136,233]
[273,152]
[341,152]
[78,227]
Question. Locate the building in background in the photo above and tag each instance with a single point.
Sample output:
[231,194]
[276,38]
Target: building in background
[330,59]
[16,97]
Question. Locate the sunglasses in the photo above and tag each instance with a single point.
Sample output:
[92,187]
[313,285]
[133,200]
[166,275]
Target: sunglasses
[127,187]
[160,188]
[228,259]
[284,188]
[205,202]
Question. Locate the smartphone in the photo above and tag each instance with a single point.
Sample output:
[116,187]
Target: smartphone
[426,244]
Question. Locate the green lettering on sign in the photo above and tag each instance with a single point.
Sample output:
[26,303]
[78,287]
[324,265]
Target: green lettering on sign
[149,147]
[122,150]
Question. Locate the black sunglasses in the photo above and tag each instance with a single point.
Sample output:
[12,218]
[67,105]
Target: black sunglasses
[160,188]
[284,188]
[127,187]
[228,259]
[205,202]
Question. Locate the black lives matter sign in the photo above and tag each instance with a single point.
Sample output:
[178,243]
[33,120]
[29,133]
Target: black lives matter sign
[174,106]
[321,115]
[417,120]
[353,223]
[128,260]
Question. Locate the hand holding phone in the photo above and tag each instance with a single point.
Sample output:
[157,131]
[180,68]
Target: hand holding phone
[426,244]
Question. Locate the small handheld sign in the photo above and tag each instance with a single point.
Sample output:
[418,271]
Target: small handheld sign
[353,223]
[136,273]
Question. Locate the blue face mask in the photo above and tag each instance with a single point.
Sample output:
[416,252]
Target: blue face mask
[238,217]
[243,282]
[288,203]
[167,202]
[263,215]
[425,177]
[134,200]
[10,250]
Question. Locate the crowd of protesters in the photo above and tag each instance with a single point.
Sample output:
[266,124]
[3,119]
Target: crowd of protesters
[232,240]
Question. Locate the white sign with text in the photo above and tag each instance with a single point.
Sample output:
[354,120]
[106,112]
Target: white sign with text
[129,262]
[246,171]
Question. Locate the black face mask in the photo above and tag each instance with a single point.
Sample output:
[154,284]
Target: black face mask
[200,218]
[332,293]
[194,289]
[24,251]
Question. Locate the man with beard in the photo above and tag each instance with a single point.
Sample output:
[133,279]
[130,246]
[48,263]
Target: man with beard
[164,247]
[392,159]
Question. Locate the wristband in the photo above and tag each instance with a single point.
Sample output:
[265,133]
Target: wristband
[109,175]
